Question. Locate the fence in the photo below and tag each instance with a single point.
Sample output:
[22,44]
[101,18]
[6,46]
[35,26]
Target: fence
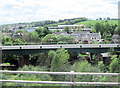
[72,76]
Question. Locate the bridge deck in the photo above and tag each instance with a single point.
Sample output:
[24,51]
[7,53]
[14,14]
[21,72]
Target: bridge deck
[60,46]
[32,49]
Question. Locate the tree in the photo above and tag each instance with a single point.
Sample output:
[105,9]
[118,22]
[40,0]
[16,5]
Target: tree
[88,25]
[26,37]
[34,37]
[84,66]
[6,29]
[19,31]
[65,39]
[46,31]
[101,66]
[115,66]
[67,29]
[102,29]
[118,30]
[6,40]
[57,30]
[108,18]
[67,23]
[17,41]
[42,32]
[107,28]
[39,31]
[112,29]
[50,38]
[20,27]
[97,27]
[60,63]
[100,18]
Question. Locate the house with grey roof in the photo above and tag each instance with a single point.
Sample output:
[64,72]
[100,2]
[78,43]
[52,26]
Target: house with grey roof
[116,38]
[81,36]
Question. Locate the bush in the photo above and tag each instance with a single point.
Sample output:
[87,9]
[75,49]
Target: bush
[32,77]
[115,66]
[101,66]
[84,66]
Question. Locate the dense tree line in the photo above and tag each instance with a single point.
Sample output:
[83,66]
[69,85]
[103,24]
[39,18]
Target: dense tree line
[72,21]
[106,28]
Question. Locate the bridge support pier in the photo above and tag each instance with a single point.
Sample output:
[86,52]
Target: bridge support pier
[23,60]
[90,56]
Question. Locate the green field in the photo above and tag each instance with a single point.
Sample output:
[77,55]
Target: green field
[92,22]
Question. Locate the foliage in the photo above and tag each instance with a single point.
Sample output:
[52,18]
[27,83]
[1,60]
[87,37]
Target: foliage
[117,30]
[6,40]
[93,22]
[82,56]
[95,59]
[111,51]
[41,23]
[59,63]
[19,31]
[42,32]
[115,66]
[66,39]
[17,42]
[67,29]
[44,59]
[57,30]
[84,66]
[50,38]
[97,27]
[81,66]
[33,37]
[101,66]
[40,59]
[35,77]
[72,21]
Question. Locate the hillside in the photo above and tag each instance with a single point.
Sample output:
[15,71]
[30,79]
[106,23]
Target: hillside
[92,22]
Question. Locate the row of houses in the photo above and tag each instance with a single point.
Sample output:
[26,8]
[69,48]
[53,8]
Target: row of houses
[79,36]
[82,36]
[14,27]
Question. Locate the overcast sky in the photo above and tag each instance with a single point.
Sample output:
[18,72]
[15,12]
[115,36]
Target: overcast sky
[15,11]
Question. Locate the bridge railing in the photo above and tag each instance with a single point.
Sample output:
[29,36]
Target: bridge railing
[49,43]
[72,75]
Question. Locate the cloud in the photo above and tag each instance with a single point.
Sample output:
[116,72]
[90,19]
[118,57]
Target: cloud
[15,11]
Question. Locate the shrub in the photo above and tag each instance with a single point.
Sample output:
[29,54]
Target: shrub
[115,66]
[32,77]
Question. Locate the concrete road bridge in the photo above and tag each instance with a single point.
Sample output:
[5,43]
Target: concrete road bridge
[23,51]
[33,49]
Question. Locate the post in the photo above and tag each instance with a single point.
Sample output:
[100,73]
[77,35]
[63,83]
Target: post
[72,79]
